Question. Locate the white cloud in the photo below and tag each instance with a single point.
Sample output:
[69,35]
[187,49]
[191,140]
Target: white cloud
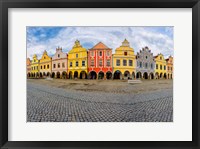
[158,42]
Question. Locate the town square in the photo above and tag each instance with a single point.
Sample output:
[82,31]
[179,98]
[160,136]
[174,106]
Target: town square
[100,83]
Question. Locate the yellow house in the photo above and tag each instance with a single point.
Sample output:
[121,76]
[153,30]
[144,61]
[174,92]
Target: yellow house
[45,65]
[170,67]
[161,66]
[35,66]
[124,62]
[77,61]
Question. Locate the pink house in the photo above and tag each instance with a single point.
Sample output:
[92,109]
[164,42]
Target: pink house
[59,64]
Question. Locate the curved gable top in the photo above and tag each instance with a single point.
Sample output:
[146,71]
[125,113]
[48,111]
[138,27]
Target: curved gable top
[77,48]
[59,54]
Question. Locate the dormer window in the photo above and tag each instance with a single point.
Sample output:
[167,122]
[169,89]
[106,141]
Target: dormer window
[160,58]
[58,55]
[125,53]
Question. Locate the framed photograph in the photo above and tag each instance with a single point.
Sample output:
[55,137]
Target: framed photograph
[103,74]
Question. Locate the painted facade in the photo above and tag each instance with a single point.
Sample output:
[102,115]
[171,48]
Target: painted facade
[145,64]
[45,65]
[100,62]
[77,62]
[170,67]
[160,67]
[59,64]
[35,66]
[124,62]
[28,67]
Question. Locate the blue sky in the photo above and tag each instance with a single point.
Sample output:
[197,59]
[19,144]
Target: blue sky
[158,39]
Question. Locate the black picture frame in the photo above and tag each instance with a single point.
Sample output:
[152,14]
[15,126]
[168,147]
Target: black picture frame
[6,4]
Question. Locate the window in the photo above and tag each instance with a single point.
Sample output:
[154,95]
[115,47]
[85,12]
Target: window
[171,68]
[58,65]
[130,62]
[124,62]
[44,57]
[63,65]
[58,55]
[168,68]
[118,62]
[151,66]
[108,53]
[40,67]
[164,67]
[47,66]
[140,64]
[76,63]
[92,62]
[34,60]
[92,53]
[44,66]
[54,65]
[156,66]
[108,62]
[70,64]
[83,63]
[160,67]
[160,58]
[76,55]
[146,57]
[125,53]
[37,67]
[146,65]
[100,62]
[100,53]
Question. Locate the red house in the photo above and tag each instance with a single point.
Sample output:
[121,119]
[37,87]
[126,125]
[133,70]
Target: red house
[100,62]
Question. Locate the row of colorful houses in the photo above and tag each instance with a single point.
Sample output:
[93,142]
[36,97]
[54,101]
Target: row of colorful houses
[99,63]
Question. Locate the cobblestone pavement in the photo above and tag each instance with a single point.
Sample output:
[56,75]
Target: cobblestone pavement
[49,104]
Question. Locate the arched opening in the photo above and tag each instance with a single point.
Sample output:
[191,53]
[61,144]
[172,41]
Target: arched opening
[29,75]
[151,76]
[48,74]
[161,75]
[83,75]
[44,74]
[138,75]
[40,75]
[100,75]
[53,75]
[37,74]
[165,75]
[171,76]
[145,75]
[157,75]
[70,75]
[126,75]
[75,75]
[108,75]
[117,75]
[58,75]
[133,75]
[93,75]
[64,75]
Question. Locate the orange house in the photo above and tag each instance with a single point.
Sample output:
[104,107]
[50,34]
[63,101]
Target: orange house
[28,67]
[100,62]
